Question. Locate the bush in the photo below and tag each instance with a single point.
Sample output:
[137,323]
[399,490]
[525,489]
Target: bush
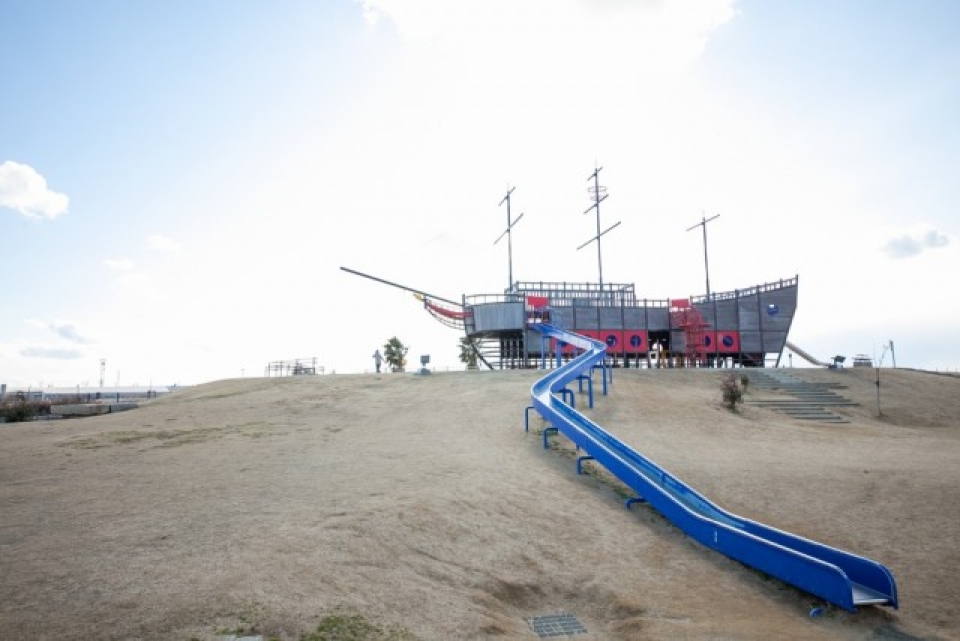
[21,410]
[353,627]
[732,389]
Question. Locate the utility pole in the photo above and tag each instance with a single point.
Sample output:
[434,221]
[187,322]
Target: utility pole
[508,233]
[599,194]
[706,263]
[103,369]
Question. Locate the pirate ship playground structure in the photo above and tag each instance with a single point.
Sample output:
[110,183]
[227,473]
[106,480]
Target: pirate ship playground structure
[744,327]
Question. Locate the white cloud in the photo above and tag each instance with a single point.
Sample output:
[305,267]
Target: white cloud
[69,332]
[119,264]
[125,270]
[163,243]
[25,191]
[913,243]
[553,32]
[370,14]
[64,329]
[59,353]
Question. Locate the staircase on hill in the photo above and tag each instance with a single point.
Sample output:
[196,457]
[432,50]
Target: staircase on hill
[801,400]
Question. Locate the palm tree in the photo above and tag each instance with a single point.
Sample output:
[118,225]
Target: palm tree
[395,352]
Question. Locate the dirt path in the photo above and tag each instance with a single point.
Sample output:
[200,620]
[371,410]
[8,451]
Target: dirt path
[261,505]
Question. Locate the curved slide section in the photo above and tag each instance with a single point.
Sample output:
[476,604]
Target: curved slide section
[839,577]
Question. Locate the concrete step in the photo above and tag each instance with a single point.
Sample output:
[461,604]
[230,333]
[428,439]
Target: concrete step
[796,398]
[786,402]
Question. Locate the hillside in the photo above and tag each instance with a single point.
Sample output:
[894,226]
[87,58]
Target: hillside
[420,504]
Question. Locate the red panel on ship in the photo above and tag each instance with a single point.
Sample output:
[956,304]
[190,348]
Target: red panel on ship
[613,338]
[636,340]
[709,341]
[727,342]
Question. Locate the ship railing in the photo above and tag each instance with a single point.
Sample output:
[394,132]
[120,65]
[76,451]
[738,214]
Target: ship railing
[590,294]
[749,291]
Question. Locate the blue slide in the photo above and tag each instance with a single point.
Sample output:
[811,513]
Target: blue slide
[839,577]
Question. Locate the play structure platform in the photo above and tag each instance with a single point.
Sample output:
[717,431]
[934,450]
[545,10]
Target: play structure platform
[837,576]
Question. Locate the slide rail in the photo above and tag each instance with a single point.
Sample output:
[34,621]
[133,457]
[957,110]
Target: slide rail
[837,576]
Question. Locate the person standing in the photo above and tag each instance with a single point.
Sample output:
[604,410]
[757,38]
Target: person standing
[377,359]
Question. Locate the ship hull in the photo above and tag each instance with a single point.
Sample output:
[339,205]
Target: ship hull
[744,327]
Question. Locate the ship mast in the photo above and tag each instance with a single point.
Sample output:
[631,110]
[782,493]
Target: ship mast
[599,194]
[706,264]
[508,233]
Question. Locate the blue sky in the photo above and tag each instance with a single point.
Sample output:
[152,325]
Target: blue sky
[180,181]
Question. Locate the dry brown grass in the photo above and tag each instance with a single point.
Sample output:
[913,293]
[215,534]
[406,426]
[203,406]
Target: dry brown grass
[420,505]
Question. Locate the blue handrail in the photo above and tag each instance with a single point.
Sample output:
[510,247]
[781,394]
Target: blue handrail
[837,576]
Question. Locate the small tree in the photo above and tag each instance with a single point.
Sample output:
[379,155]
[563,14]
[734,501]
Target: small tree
[468,352]
[395,353]
[732,389]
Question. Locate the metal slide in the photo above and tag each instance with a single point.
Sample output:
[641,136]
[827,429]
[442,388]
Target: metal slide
[805,355]
[837,576]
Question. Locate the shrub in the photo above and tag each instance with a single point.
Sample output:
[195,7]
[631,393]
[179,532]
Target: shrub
[732,389]
[20,410]
[353,627]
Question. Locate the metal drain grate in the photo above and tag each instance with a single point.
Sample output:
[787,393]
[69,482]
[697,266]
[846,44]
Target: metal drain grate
[562,624]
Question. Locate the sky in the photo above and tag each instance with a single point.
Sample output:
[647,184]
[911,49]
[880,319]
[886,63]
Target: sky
[180,182]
